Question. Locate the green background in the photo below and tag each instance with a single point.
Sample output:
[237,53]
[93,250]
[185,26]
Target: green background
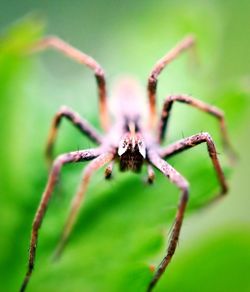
[124,225]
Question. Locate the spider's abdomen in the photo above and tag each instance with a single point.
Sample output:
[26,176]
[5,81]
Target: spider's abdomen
[131,160]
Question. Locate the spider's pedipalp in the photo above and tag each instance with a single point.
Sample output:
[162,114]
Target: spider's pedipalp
[151,175]
[176,178]
[109,170]
[61,160]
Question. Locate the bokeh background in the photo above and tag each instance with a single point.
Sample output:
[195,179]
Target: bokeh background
[124,225]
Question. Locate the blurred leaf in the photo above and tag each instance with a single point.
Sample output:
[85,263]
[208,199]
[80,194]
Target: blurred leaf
[19,37]
[219,264]
[14,186]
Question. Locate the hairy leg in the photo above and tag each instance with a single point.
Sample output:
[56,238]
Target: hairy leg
[185,44]
[77,121]
[76,156]
[73,53]
[193,141]
[77,200]
[212,110]
[182,184]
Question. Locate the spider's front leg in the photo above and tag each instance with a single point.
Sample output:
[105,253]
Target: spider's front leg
[183,185]
[61,160]
[77,121]
[182,46]
[189,100]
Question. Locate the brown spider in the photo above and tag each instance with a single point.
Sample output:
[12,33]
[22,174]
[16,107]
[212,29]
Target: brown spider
[128,142]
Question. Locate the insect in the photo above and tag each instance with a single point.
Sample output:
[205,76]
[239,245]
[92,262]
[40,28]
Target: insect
[129,141]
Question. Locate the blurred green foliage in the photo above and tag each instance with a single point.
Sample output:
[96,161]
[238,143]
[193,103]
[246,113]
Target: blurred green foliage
[124,224]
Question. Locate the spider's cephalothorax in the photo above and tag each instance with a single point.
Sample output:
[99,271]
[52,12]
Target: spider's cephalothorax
[126,143]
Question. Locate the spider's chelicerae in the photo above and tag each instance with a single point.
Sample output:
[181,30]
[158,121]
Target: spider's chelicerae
[128,142]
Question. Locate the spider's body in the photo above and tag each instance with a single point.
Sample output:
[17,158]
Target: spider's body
[130,141]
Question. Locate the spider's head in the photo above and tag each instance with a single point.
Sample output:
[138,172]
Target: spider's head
[132,151]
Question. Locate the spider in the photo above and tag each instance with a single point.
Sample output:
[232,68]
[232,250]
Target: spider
[128,141]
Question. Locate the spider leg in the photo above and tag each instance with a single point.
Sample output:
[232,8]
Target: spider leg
[77,121]
[73,53]
[176,178]
[193,141]
[212,110]
[77,200]
[62,159]
[185,44]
